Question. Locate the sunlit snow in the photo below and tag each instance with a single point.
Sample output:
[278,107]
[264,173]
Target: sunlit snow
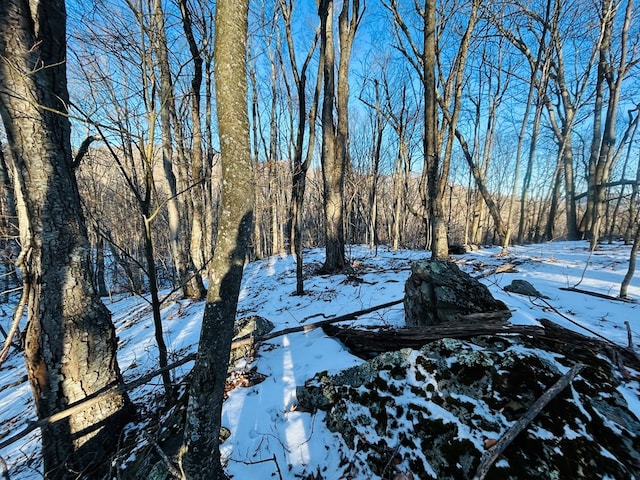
[268,434]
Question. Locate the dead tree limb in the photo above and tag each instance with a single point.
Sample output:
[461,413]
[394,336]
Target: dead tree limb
[490,456]
[505,268]
[173,471]
[92,400]
[248,339]
[17,316]
[83,150]
[368,343]
[597,294]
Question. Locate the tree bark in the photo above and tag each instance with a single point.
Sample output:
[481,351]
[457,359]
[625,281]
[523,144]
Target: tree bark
[332,166]
[70,343]
[439,242]
[200,454]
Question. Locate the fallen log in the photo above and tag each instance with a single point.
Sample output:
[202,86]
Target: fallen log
[250,339]
[367,342]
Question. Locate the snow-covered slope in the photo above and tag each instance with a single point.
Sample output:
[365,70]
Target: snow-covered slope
[270,438]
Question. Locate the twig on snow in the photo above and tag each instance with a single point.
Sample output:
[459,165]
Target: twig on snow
[273,459]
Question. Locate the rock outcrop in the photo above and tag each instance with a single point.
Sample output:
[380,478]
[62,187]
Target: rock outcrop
[432,412]
[439,292]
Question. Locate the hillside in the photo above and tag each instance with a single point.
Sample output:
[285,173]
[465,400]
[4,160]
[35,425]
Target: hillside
[269,436]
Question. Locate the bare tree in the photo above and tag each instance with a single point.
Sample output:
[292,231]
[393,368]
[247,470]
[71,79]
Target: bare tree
[189,279]
[200,454]
[614,64]
[198,192]
[70,342]
[423,59]
[335,131]
[300,167]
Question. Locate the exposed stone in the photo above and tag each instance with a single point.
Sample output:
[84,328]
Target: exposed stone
[429,412]
[524,288]
[254,325]
[438,291]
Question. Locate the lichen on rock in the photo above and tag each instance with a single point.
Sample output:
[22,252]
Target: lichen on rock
[428,412]
[437,291]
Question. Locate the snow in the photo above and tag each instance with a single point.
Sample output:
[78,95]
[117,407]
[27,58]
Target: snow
[269,437]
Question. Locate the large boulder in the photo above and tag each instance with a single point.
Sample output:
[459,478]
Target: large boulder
[431,413]
[439,292]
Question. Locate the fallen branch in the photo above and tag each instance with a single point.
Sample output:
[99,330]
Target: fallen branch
[248,339]
[554,333]
[629,336]
[489,457]
[569,319]
[504,268]
[273,459]
[173,471]
[93,399]
[596,294]
[367,343]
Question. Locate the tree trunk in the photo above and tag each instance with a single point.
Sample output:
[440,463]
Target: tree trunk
[150,257]
[198,192]
[556,184]
[299,174]
[439,243]
[333,168]
[191,283]
[256,249]
[632,264]
[101,285]
[8,230]
[200,454]
[70,343]
[375,154]
[157,33]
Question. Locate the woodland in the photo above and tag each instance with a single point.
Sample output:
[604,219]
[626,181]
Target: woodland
[150,145]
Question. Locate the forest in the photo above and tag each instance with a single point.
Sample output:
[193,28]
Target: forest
[154,146]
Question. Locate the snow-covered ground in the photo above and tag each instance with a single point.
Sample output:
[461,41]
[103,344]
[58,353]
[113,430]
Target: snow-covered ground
[270,438]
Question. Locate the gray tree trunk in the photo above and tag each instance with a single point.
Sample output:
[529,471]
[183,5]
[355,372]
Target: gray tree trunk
[70,341]
[200,454]
[332,166]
